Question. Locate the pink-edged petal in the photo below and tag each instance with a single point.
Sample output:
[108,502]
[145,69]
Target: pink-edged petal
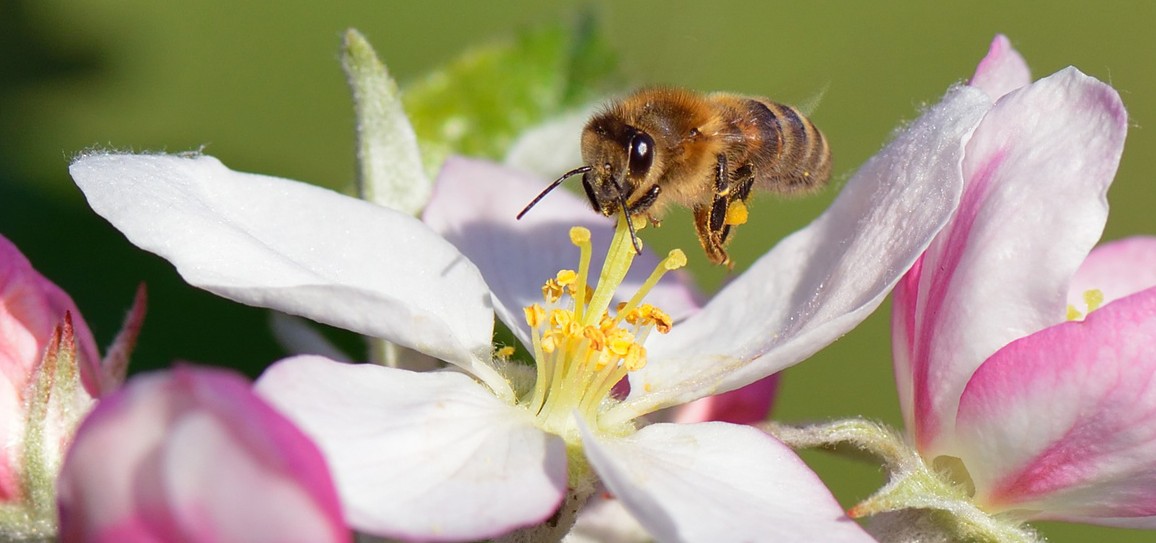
[426,456]
[823,280]
[715,481]
[1038,169]
[1062,423]
[748,405]
[297,248]
[193,455]
[31,307]
[474,206]
[1002,70]
[1116,269]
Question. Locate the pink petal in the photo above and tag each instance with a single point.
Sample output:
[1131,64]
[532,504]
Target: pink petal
[1062,423]
[1002,70]
[474,206]
[425,456]
[31,306]
[1116,269]
[193,455]
[1037,171]
[821,281]
[717,482]
[748,405]
[298,248]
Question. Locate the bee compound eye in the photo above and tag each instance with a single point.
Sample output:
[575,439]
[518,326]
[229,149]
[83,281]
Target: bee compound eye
[641,154]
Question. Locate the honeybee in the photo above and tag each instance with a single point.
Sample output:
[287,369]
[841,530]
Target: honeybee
[664,146]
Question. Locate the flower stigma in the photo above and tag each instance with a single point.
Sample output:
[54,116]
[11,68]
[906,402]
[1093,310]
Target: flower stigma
[581,348]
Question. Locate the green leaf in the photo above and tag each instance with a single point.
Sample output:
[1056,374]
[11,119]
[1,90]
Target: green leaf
[479,103]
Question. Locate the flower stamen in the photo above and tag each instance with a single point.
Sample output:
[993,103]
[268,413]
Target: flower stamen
[1093,299]
[581,350]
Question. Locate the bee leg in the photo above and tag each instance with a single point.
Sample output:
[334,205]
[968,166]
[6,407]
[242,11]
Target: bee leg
[712,227]
[718,208]
[742,190]
[707,237]
[646,201]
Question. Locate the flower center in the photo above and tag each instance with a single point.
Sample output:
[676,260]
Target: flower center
[581,350]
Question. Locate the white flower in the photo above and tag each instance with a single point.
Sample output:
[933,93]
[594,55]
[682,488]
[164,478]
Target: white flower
[474,454]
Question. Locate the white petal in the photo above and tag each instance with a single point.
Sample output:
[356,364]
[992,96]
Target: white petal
[605,520]
[474,206]
[823,280]
[718,482]
[297,248]
[299,336]
[430,456]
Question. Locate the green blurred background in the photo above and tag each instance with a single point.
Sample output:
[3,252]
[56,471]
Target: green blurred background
[258,84]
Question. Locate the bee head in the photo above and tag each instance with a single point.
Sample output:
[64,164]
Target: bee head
[620,157]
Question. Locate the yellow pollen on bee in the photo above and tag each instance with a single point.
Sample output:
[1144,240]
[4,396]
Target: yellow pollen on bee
[505,352]
[582,348]
[736,213]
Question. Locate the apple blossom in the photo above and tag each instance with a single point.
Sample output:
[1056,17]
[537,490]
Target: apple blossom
[50,375]
[477,453]
[1026,367]
[191,454]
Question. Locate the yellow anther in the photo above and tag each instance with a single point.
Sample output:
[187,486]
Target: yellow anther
[1094,298]
[606,324]
[596,337]
[639,222]
[604,359]
[579,235]
[560,318]
[1073,313]
[674,260]
[635,358]
[662,321]
[619,343]
[566,277]
[736,213]
[551,291]
[551,340]
[535,315]
[636,316]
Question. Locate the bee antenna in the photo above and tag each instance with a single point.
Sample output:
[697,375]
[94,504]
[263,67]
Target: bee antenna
[629,224]
[554,185]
